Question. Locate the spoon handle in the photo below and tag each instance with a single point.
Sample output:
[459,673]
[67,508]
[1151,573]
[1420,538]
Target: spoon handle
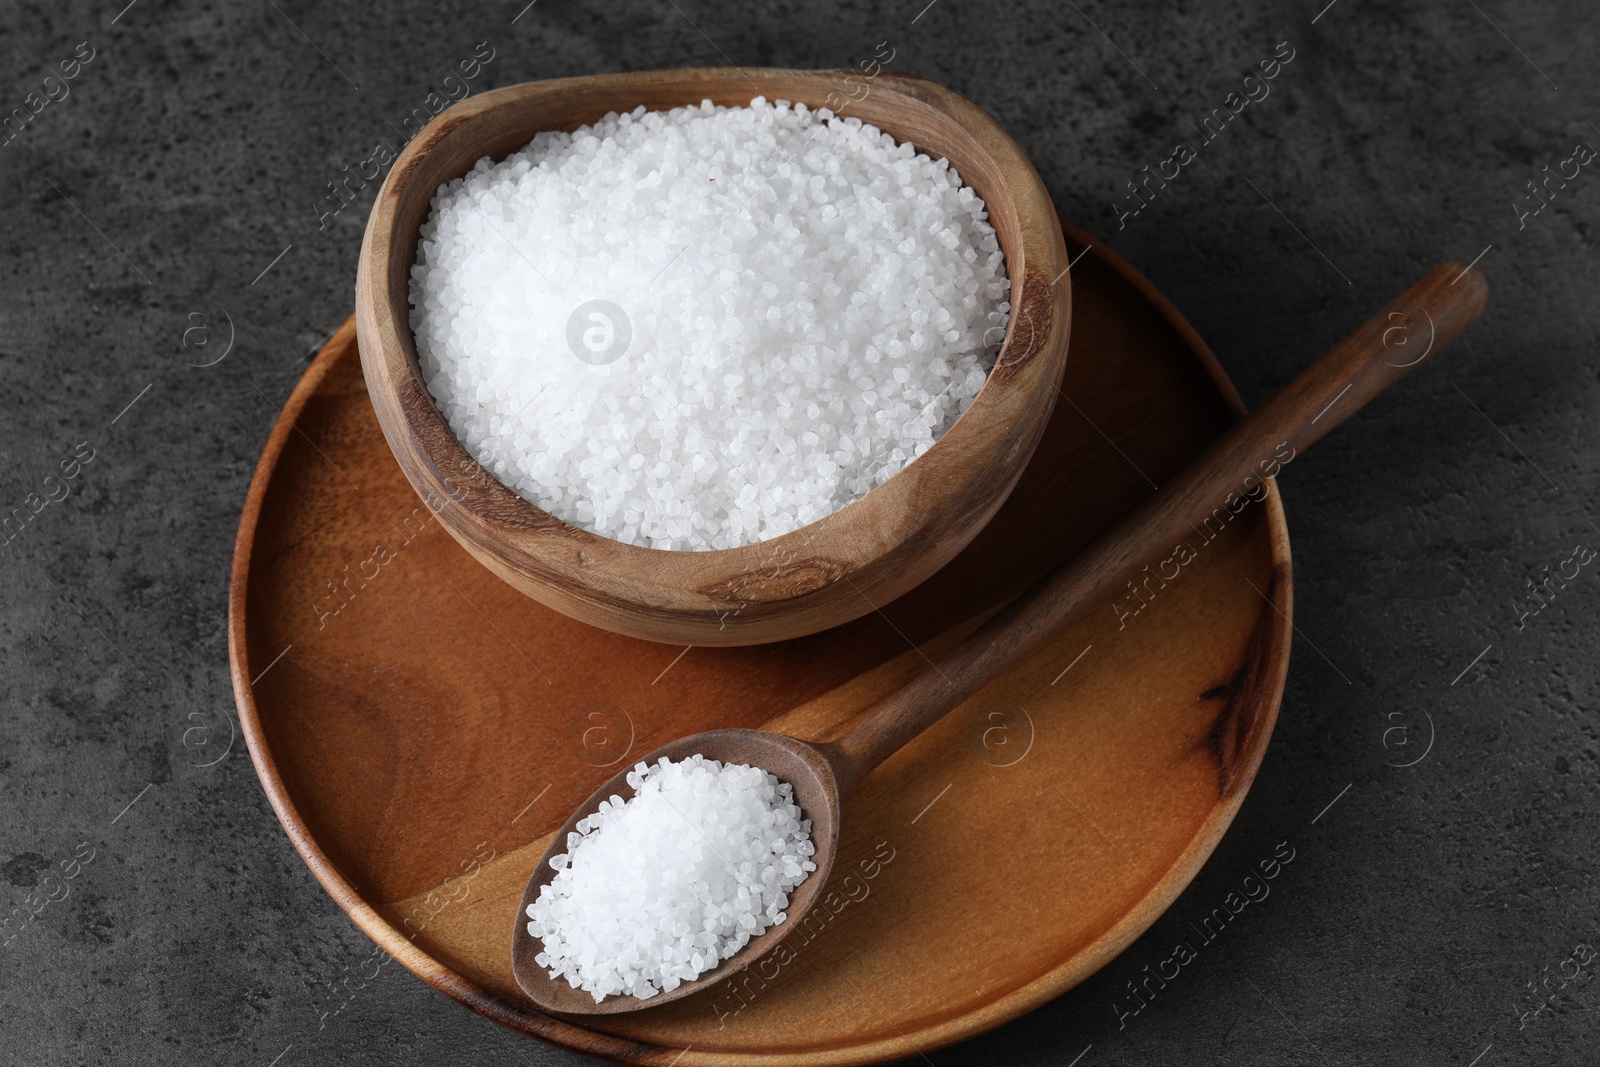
[1217,485]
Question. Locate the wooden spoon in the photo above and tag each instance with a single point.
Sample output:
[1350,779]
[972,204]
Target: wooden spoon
[1429,315]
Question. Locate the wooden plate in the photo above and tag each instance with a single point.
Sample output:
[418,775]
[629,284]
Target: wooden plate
[421,728]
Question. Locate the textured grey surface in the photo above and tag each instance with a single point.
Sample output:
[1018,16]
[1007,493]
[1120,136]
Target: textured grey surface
[1421,909]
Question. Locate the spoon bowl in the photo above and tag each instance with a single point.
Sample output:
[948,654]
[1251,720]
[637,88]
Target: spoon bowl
[812,770]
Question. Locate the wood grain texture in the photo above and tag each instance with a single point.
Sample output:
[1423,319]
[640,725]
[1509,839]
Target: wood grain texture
[824,574]
[429,727]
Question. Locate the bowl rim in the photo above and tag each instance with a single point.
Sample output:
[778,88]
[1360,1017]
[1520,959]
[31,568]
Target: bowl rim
[569,564]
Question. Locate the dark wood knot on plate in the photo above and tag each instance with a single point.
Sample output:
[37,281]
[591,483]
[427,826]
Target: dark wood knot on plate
[1248,695]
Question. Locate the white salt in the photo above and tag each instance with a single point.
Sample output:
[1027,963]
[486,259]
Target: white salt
[704,327]
[659,888]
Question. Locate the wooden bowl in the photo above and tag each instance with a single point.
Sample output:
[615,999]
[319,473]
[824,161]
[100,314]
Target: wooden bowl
[821,575]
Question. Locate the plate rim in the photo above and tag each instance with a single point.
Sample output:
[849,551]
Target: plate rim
[1016,1002]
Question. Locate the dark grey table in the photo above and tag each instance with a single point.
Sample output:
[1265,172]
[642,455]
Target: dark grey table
[1435,767]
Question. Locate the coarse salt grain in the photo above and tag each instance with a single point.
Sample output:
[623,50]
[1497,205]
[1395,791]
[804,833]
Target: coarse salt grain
[792,308]
[658,889]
